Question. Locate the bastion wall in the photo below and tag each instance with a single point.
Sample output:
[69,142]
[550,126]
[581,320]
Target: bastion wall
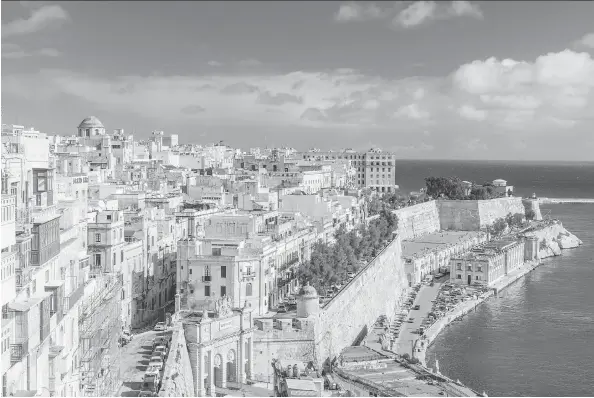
[178,380]
[373,292]
[289,347]
[418,220]
[471,215]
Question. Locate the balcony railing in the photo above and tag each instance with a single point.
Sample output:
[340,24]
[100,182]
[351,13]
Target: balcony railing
[248,275]
[207,278]
[18,351]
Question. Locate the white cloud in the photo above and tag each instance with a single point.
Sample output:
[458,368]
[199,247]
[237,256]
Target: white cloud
[586,41]
[465,8]
[415,14]
[14,51]
[41,18]
[354,11]
[214,63]
[530,92]
[424,11]
[471,113]
[527,97]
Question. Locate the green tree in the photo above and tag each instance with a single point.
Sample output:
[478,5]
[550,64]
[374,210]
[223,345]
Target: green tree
[530,214]
[499,226]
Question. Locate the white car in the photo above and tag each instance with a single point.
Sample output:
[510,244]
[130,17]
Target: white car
[160,326]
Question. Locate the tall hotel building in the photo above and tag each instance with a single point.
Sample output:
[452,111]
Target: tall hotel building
[375,169]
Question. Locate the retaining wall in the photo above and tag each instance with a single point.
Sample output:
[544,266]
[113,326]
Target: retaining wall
[178,380]
[373,292]
[418,220]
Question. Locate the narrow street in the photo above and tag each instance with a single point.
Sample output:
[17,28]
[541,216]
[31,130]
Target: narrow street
[134,361]
[424,298]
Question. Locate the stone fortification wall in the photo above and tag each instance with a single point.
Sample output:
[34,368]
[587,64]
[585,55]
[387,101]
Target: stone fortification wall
[490,210]
[471,215]
[290,347]
[178,380]
[373,292]
[418,220]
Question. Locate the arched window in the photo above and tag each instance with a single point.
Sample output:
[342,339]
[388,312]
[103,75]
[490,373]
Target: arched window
[248,289]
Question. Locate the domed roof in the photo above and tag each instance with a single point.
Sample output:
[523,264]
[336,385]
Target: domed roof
[91,122]
[308,291]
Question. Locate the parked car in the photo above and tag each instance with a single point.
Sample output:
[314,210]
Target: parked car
[157,362]
[292,300]
[160,348]
[281,309]
[161,340]
[417,307]
[160,326]
[411,320]
[350,275]
[147,393]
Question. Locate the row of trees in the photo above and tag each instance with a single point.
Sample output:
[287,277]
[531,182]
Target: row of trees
[329,264]
[453,188]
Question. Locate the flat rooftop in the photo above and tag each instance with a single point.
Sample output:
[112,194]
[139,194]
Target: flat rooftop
[435,241]
[392,375]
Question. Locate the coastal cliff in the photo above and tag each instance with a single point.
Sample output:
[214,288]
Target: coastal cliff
[553,238]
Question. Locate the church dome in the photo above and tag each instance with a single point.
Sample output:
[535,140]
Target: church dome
[91,122]
[308,291]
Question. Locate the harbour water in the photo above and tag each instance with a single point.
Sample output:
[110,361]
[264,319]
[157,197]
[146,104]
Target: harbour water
[537,338]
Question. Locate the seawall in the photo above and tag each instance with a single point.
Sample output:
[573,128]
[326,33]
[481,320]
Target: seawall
[566,200]
[353,311]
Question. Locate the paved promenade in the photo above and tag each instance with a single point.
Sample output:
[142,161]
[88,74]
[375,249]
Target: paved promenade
[424,298]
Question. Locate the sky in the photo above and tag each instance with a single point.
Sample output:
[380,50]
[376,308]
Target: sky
[435,80]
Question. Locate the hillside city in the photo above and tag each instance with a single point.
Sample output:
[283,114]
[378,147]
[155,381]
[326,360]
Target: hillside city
[156,268]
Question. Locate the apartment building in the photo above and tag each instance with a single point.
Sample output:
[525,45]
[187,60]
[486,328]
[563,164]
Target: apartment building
[375,169]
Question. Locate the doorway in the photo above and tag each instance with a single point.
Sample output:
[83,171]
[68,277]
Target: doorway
[469,279]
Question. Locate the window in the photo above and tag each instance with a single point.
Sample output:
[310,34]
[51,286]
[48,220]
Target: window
[459,266]
[223,271]
[478,277]
[469,268]
[152,241]
[47,275]
[190,271]
[34,286]
[216,251]
[248,289]
[109,217]
[97,238]
[98,259]
[122,256]
[114,258]
[223,291]
[480,269]
[207,291]
[459,276]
